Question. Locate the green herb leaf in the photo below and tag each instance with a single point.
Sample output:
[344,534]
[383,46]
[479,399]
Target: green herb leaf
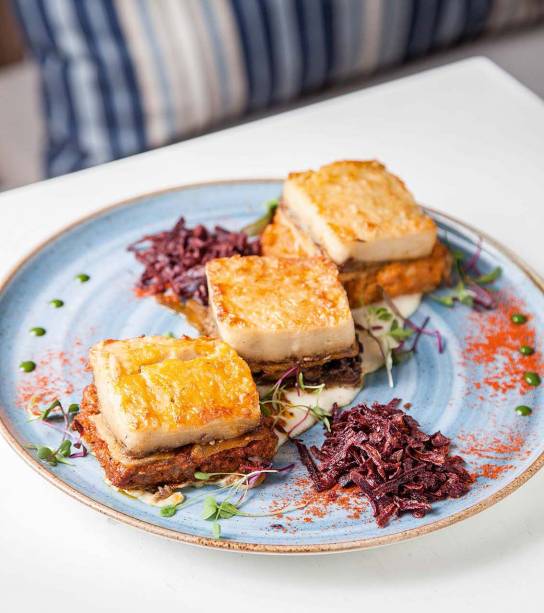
[61,460]
[398,333]
[209,508]
[64,448]
[73,409]
[460,292]
[384,314]
[44,453]
[45,414]
[258,226]
[446,300]
[401,334]
[226,510]
[216,530]
[489,277]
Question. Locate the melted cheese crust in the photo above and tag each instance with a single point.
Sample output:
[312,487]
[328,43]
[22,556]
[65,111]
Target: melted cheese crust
[161,393]
[275,309]
[357,209]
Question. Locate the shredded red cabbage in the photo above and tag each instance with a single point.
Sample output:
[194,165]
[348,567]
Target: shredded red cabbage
[382,451]
[174,259]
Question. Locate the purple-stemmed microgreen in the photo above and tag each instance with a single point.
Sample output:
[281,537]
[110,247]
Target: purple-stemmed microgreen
[236,494]
[408,323]
[469,284]
[382,325]
[274,403]
[53,412]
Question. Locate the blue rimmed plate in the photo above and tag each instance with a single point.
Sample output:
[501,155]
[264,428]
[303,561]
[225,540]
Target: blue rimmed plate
[469,392]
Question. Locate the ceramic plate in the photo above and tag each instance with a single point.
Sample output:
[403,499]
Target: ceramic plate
[469,392]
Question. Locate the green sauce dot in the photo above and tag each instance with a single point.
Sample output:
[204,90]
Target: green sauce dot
[526,350]
[37,331]
[532,378]
[56,303]
[82,278]
[518,318]
[524,410]
[27,366]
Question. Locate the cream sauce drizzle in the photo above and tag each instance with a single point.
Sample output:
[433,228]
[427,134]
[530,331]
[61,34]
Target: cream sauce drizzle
[372,357]
[299,419]
[151,498]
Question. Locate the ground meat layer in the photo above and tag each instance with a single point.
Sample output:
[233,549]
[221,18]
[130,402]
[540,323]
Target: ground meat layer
[343,371]
[419,276]
[169,467]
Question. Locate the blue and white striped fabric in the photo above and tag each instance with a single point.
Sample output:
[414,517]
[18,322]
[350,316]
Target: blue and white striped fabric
[123,76]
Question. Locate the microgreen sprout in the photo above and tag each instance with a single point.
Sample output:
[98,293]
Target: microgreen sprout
[399,333]
[383,327]
[257,227]
[274,402]
[53,456]
[55,412]
[236,492]
[44,415]
[418,329]
[468,289]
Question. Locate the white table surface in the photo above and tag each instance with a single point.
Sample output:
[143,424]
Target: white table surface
[468,140]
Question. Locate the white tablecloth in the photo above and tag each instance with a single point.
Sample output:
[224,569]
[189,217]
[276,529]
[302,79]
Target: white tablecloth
[468,140]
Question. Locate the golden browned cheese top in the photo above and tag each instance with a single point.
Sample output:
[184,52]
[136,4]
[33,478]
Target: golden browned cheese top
[176,384]
[274,294]
[361,200]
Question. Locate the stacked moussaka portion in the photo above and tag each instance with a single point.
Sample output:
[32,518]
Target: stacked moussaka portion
[363,219]
[160,409]
[285,314]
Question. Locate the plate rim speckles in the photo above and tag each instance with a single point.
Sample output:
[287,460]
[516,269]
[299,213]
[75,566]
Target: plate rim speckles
[209,542]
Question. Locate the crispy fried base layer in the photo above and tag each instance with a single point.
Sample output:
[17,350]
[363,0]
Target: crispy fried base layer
[169,467]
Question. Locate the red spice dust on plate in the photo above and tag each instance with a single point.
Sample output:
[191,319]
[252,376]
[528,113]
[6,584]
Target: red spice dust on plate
[316,505]
[382,451]
[48,381]
[501,448]
[494,342]
[503,451]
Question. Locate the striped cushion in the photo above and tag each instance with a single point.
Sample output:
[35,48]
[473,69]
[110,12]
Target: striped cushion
[122,76]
